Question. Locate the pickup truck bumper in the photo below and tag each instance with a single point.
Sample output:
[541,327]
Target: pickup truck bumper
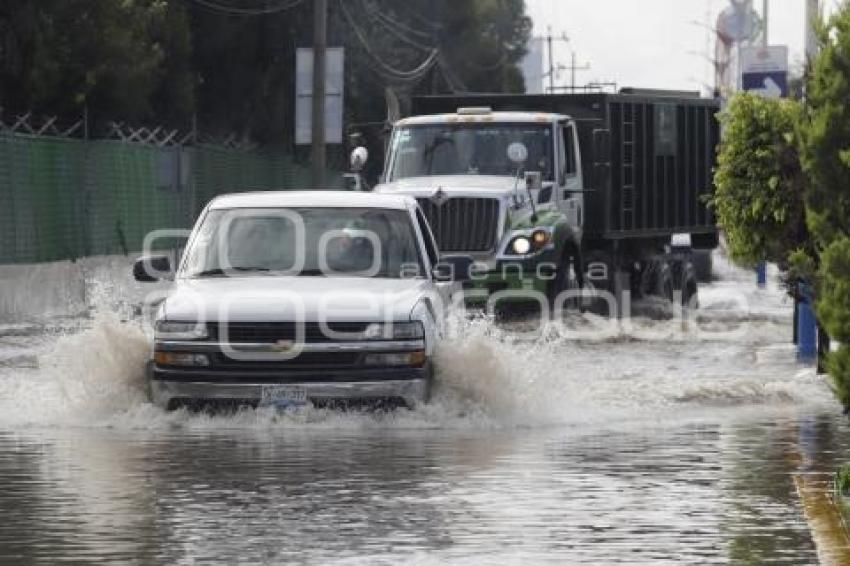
[529,274]
[171,388]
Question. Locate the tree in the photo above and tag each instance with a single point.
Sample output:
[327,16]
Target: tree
[60,56]
[826,160]
[825,152]
[230,63]
[759,180]
[833,310]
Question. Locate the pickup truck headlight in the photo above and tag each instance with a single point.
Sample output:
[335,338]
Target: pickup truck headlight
[394,331]
[166,330]
[189,359]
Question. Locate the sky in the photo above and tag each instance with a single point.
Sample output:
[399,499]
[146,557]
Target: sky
[653,43]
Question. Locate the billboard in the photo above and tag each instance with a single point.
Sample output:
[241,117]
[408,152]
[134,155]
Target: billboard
[334,68]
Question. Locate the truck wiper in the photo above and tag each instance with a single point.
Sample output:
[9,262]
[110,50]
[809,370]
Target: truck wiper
[220,271]
[312,273]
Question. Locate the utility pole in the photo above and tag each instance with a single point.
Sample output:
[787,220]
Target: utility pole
[320,44]
[574,68]
[812,16]
[549,39]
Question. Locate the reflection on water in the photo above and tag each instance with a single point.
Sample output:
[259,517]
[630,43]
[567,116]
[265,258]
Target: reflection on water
[698,493]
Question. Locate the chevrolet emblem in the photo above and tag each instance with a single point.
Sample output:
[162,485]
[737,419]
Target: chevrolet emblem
[283,345]
[439,197]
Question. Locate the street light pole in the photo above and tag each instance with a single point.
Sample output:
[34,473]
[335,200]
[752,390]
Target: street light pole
[320,44]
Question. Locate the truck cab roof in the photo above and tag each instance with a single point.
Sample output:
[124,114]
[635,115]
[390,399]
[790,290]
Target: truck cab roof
[316,198]
[473,115]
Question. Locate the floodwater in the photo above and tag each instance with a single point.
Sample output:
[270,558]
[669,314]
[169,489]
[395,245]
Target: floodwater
[659,441]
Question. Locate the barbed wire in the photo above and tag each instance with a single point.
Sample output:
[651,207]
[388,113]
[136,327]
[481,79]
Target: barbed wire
[31,124]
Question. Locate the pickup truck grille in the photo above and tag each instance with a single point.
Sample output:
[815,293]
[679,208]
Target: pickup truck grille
[270,332]
[463,224]
[304,360]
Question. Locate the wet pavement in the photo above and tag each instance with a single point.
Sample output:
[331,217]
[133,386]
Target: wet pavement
[663,442]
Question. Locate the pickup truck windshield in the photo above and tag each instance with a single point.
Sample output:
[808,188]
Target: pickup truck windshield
[360,242]
[477,148]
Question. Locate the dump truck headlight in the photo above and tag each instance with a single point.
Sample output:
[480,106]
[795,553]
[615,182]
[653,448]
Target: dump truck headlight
[521,245]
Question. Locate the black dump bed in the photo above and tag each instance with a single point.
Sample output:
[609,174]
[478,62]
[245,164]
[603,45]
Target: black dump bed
[651,178]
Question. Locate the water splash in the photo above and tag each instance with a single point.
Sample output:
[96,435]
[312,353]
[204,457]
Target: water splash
[488,375]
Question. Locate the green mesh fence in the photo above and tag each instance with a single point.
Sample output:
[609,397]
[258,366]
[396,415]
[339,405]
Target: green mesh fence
[41,190]
[65,198]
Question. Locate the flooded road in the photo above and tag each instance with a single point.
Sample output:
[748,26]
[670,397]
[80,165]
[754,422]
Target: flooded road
[660,441]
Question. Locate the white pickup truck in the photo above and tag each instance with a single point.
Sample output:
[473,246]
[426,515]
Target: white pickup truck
[290,298]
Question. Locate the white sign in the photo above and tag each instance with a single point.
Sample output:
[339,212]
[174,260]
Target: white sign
[764,70]
[772,59]
[334,80]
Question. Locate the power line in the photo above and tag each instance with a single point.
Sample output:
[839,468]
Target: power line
[411,75]
[394,27]
[404,27]
[419,17]
[452,80]
[237,11]
[399,33]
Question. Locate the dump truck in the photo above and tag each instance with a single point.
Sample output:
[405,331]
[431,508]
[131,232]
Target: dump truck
[552,194]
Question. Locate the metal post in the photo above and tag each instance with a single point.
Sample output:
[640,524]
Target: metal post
[765,13]
[573,72]
[807,351]
[551,62]
[761,274]
[320,30]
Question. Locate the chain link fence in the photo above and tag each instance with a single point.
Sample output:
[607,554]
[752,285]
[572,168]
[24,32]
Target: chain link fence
[65,197]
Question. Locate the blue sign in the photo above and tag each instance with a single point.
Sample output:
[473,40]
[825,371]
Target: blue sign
[770,84]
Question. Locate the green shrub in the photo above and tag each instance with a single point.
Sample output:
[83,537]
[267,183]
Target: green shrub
[759,181]
[842,480]
[833,308]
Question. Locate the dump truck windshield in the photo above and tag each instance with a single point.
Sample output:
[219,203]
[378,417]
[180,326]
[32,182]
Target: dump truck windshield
[468,149]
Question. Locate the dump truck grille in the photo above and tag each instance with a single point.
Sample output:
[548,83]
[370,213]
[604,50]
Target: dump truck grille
[463,224]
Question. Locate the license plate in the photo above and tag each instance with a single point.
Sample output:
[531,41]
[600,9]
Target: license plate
[283,396]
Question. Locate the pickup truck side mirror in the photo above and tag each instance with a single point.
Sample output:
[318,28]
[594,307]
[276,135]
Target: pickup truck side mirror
[148,269]
[454,268]
[359,156]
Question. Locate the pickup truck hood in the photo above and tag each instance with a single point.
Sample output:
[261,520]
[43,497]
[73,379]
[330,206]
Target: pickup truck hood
[282,299]
[459,185]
